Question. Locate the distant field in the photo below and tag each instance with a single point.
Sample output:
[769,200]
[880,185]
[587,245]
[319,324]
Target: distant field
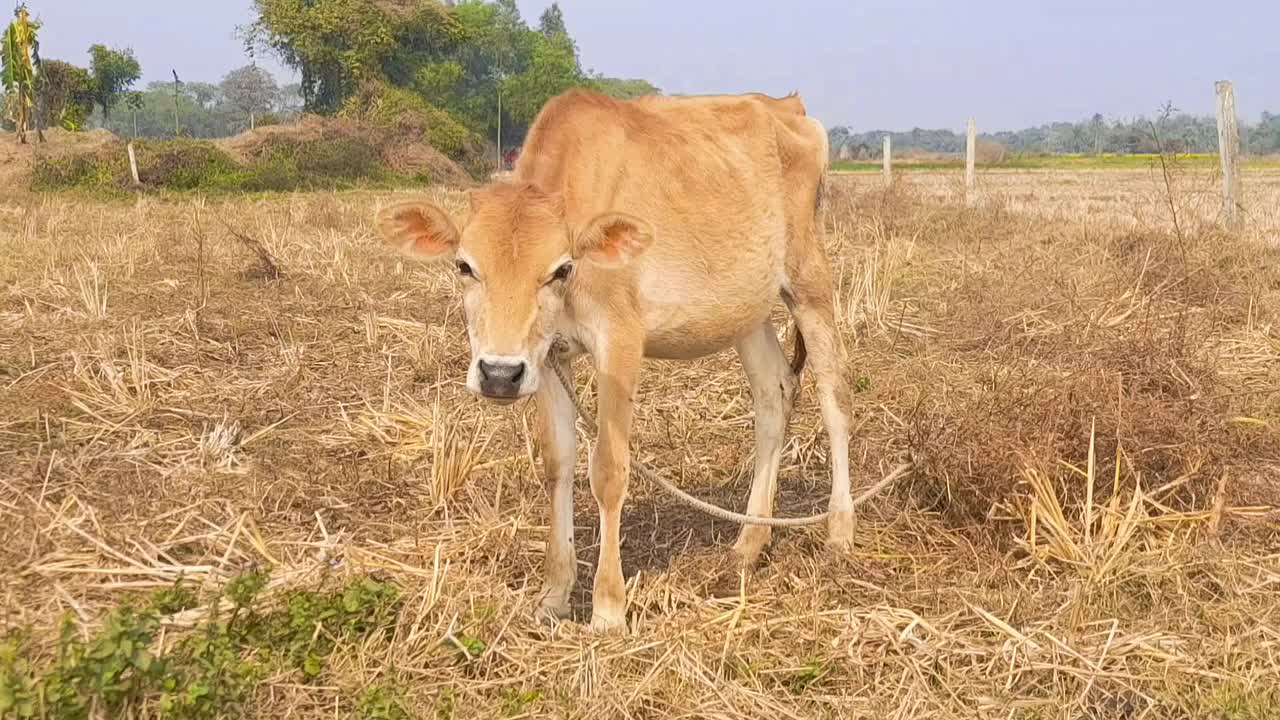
[1055,162]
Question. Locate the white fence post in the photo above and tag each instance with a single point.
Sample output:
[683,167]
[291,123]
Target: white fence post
[1229,151]
[888,161]
[970,164]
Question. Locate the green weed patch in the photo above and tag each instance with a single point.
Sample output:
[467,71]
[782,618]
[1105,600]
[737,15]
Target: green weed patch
[210,671]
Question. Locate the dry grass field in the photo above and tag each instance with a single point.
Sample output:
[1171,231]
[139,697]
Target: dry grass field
[1092,391]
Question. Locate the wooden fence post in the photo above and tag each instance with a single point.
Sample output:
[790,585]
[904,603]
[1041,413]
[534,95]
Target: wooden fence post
[888,161]
[133,166]
[970,164]
[1229,151]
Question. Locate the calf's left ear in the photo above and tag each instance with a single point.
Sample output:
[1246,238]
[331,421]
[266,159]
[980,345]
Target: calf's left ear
[613,239]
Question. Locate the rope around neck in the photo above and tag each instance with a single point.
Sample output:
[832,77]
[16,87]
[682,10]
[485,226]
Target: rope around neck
[561,369]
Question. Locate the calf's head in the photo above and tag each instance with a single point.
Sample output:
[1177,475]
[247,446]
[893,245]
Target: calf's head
[519,264]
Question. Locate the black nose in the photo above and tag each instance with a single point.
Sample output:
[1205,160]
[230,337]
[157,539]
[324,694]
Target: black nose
[500,379]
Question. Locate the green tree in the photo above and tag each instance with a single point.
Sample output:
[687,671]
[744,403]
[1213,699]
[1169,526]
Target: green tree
[1097,128]
[206,95]
[114,72]
[439,81]
[65,95]
[338,45]
[250,91]
[551,24]
[553,68]
[290,99]
[497,46]
[20,69]
[135,101]
[1264,138]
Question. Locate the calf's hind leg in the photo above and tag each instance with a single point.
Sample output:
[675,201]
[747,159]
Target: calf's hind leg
[809,297]
[773,390]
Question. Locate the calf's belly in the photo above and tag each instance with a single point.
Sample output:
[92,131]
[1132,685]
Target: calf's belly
[696,307]
[677,332]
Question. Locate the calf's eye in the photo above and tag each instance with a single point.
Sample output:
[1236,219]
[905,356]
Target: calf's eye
[562,273]
[465,270]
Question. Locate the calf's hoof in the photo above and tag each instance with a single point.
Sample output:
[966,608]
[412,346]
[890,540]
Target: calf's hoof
[751,542]
[840,525]
[552,609]
[725,578]
[608,623]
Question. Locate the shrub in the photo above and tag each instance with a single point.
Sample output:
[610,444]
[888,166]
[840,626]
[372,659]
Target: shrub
[181,164]
[268,175]
[66,95]
[407,113]
[345,158]
[98,170]
[185,165]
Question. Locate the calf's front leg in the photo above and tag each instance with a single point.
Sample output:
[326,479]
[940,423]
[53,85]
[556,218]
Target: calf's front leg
[610,467]
[556,413]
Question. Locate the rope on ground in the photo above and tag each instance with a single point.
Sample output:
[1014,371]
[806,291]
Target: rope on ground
[560,366]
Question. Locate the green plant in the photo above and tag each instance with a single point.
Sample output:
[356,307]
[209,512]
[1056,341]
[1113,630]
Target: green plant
[1236,701]
[445,705]
[516,702]
[244,589]
[474,646]
[210,674]
[172,600]
[108,671]
[378,702]
[19,68]
[17,691]
[306,630]
[805,677]
[207,673]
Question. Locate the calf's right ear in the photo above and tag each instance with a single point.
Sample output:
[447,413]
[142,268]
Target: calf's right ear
[418,228]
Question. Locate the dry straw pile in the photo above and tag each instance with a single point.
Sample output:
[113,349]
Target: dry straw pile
[1093,390]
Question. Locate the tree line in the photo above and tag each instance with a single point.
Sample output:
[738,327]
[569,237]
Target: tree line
[1167,131]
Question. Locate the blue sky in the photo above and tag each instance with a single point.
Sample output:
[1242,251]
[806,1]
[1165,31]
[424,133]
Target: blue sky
[871,64]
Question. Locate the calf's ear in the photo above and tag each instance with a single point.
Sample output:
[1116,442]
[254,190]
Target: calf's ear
[613,239]
[418,228]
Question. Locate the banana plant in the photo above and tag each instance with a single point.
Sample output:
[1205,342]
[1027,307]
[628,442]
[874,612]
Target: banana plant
[20,70]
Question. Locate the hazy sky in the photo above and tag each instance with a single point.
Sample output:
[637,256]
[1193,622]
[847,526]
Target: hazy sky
[870,64]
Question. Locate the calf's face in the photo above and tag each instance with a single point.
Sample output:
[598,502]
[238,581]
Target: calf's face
[519,265]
